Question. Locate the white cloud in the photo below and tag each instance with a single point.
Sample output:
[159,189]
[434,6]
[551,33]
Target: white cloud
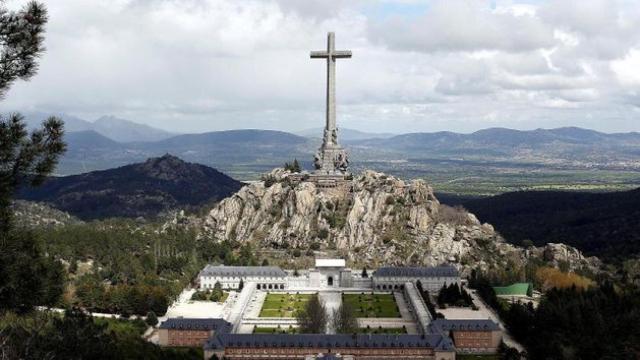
[627,69]
[465,25]
[418,65]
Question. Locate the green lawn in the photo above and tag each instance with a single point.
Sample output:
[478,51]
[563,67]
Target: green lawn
[272,330]
[392,331]
[369,305]
[283,305]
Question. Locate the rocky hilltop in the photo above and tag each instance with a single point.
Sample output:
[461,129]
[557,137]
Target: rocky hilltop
[375,219]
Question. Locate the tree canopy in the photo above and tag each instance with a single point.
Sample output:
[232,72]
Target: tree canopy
[21,42]
[27,276]
[313,317]
[294,167]
[344,319]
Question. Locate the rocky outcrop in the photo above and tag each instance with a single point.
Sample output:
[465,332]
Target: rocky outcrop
[558,254]
[374,219]
[32,214]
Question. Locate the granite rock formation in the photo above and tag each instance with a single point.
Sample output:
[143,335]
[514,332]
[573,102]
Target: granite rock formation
[377,219]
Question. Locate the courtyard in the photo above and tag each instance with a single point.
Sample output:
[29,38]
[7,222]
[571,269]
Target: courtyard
[283,305]
[372,305]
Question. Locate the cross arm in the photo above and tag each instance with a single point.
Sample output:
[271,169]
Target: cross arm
[342,54]
[319,54]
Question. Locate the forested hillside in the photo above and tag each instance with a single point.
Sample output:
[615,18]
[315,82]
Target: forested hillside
[145,189]
[602,224]
[126,267]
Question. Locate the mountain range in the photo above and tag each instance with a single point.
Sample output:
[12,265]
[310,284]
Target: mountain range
[144,189]
[345,134]
[117,129]
[570,144]
[245,154]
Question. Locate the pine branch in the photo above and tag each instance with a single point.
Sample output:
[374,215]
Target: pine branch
[21,43]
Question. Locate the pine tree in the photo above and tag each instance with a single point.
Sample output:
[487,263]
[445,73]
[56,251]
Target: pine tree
[152,319]
[21,41]
[217,292]
[293,167]
[27,276]
[344,319]
[313,318]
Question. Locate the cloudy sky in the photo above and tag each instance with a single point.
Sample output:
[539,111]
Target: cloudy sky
[201,65]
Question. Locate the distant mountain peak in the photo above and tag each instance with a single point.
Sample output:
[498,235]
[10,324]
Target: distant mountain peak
[170,167]
[128,131]
[166,158]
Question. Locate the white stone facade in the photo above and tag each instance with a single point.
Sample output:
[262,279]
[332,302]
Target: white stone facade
[328,274]
[432,284]
[431,278]
[230,277]
[233,282]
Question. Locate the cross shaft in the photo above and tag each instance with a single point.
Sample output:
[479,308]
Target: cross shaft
[331,54]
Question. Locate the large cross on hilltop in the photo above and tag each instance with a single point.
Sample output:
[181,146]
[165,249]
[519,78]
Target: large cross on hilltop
[331,55]
[331,159]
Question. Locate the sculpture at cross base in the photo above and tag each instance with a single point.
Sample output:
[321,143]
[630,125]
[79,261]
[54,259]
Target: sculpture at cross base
[331,158]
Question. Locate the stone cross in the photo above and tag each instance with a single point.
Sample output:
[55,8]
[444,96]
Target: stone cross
[330,134]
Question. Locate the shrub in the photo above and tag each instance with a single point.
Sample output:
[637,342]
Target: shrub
[152,319]
[275,210]
[294,167]
[323,234]
[453,215]
[269,180]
